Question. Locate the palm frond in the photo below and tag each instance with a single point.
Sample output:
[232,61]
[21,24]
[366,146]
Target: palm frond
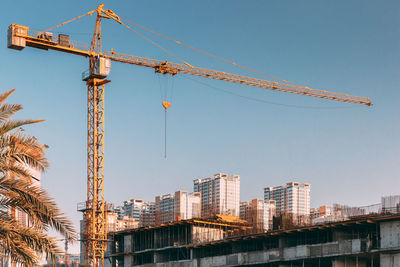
[5,95]
[5,127]
[23,149]
[25,243]
[13,170]
[38,204]
[7,110]
[19,154]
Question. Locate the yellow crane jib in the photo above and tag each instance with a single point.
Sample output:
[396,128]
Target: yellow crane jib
[165,68]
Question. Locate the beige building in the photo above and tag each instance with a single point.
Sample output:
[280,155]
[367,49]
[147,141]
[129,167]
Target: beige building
[329,213]
[219,195]
[114,224]
[178,206]
[142,211]
[187,205]
[258,213]
[148,214]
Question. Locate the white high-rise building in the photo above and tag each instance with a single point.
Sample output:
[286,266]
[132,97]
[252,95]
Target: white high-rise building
[220,195]
[179,206]
[258,213]
[142,211]
[293,198]
[133,208]
[187,205]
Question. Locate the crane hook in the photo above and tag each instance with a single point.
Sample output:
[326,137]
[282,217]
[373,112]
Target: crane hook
[166,105]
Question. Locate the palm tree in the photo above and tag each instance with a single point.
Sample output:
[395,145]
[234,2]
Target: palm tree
[19,154]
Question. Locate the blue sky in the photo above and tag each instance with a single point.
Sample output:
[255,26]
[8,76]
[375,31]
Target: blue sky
[349,153]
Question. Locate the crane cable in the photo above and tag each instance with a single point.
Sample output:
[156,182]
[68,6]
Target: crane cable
[165,103]
[68,21]
[170,39]
[166,85]
[154,43]
[126,26]
[208,54]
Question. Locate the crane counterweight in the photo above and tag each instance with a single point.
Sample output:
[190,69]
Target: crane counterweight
[16,36]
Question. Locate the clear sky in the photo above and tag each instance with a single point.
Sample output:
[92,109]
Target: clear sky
[349,153]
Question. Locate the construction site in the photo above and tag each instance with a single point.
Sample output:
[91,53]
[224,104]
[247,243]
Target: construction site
[365,239]
[362,241]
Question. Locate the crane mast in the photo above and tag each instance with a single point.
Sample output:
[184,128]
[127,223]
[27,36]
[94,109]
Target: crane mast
[95,208]
[95,213]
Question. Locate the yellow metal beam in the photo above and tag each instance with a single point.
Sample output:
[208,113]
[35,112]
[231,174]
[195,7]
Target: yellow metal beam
[175,68]
[96,208]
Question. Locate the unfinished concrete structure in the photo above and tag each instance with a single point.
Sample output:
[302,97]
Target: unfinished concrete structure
[364,241]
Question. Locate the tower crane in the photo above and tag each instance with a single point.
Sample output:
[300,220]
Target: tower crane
[95,207]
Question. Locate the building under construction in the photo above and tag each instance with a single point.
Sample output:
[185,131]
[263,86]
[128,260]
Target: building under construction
[372,240]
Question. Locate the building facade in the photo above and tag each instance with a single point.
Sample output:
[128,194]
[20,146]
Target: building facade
[133,208]
[70,260]
[219,195]
[326,213]
[178,206]
[116,224]
[293,198]
[165,209]
[187,205]
[148,215]
[258,213]
[142,211]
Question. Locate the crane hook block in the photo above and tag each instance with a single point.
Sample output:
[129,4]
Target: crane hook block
[166,105]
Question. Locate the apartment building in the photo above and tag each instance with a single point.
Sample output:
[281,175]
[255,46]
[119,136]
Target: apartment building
[115,224]
[292,198]
[258,213]
[165,209]
[178,206]
[133,208]
[219,195]
[142,211]
[148,215]
[118,210]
